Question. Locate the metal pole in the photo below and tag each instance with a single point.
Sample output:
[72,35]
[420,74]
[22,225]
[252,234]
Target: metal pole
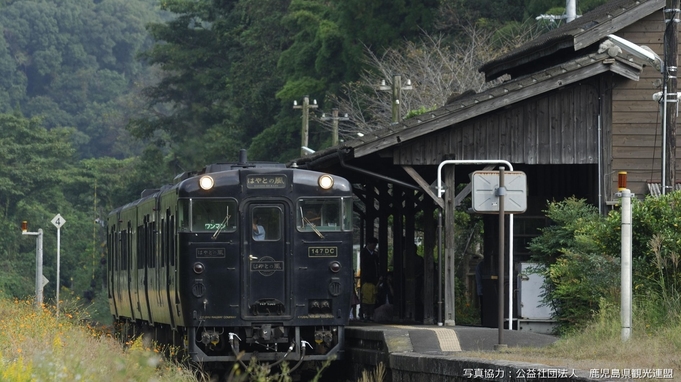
[58,284]
[500,316]
[440,191]
[670,65]
[570,10]
[626,271]
[38,263]
[664,137]
[511,291]
[439,267]
[39,269]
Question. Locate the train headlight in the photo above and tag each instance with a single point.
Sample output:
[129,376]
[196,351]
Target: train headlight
[206,182]
[335,266]
[325,181]
[198,268]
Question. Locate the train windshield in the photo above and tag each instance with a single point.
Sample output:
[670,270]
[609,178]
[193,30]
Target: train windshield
[213,215]
[321,214]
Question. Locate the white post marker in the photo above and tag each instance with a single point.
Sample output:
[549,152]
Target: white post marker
[626,266]
[58,221]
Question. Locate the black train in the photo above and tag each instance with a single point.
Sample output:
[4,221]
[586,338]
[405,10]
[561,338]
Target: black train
[190,265]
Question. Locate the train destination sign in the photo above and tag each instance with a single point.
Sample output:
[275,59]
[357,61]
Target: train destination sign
[266,181]
[206,253]
[267,266]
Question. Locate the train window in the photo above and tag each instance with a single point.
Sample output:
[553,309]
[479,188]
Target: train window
[322,214]
[183,215]
[347,214]
[212,215]
[266,223]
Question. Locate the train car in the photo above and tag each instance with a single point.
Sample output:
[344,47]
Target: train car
[251,258]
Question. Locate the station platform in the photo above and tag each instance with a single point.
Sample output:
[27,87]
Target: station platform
[414,353]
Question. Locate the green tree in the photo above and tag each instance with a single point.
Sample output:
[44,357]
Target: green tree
[385,23]
[68,60]
[500,11]
[33,162]
[255,77]
[198,51]
[40,176]
[220,74]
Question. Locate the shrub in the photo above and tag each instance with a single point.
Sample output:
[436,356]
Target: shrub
[579,258]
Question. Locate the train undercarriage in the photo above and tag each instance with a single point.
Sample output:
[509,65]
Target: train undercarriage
[270,343]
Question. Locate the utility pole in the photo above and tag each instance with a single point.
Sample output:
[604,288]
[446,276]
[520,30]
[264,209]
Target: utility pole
[335,118]
[306,118]
[672,99]
[396,89]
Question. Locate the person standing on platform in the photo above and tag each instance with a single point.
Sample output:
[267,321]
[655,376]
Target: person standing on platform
[368,258]
[478,287]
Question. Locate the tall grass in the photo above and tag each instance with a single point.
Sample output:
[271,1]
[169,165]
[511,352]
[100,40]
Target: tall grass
[35,345]
[655,341]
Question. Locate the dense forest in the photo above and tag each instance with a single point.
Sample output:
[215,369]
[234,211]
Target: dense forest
[100,99]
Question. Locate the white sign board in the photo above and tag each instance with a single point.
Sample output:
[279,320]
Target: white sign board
[58,221]
[485,196]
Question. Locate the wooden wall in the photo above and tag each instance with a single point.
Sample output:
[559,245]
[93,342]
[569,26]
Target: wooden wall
[637,121]
[560,127]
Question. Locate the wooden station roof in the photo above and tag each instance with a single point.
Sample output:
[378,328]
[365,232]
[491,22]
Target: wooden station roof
[561,57]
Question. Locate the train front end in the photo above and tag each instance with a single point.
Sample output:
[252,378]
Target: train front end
[265,264]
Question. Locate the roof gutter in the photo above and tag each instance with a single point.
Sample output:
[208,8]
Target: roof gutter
[375,175]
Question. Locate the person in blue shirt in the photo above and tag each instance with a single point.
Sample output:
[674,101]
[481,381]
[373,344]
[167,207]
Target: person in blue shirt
[258,230]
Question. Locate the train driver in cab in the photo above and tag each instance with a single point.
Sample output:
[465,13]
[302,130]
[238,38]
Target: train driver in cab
[258,229]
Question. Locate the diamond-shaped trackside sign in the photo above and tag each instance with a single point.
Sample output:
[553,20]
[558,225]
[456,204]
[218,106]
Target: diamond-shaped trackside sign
[485,196]
[58,221]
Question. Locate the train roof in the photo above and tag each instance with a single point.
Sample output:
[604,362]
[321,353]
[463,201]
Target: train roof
[243,163]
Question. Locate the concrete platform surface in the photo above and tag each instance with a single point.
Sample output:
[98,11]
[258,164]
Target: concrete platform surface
[433,339]
[415,353]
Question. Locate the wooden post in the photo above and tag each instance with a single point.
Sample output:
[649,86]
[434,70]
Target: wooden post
[430,280]
[400,242]
[397,96]
[383,210]
[410,297]
[305,130]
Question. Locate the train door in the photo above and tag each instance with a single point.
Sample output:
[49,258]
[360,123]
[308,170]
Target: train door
[266,254]
[112,265]
[143,263]
[123,278]
[169,262]
[162,275]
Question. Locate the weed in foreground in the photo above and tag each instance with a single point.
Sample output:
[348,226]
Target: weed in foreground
[37,345]
[378,374]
